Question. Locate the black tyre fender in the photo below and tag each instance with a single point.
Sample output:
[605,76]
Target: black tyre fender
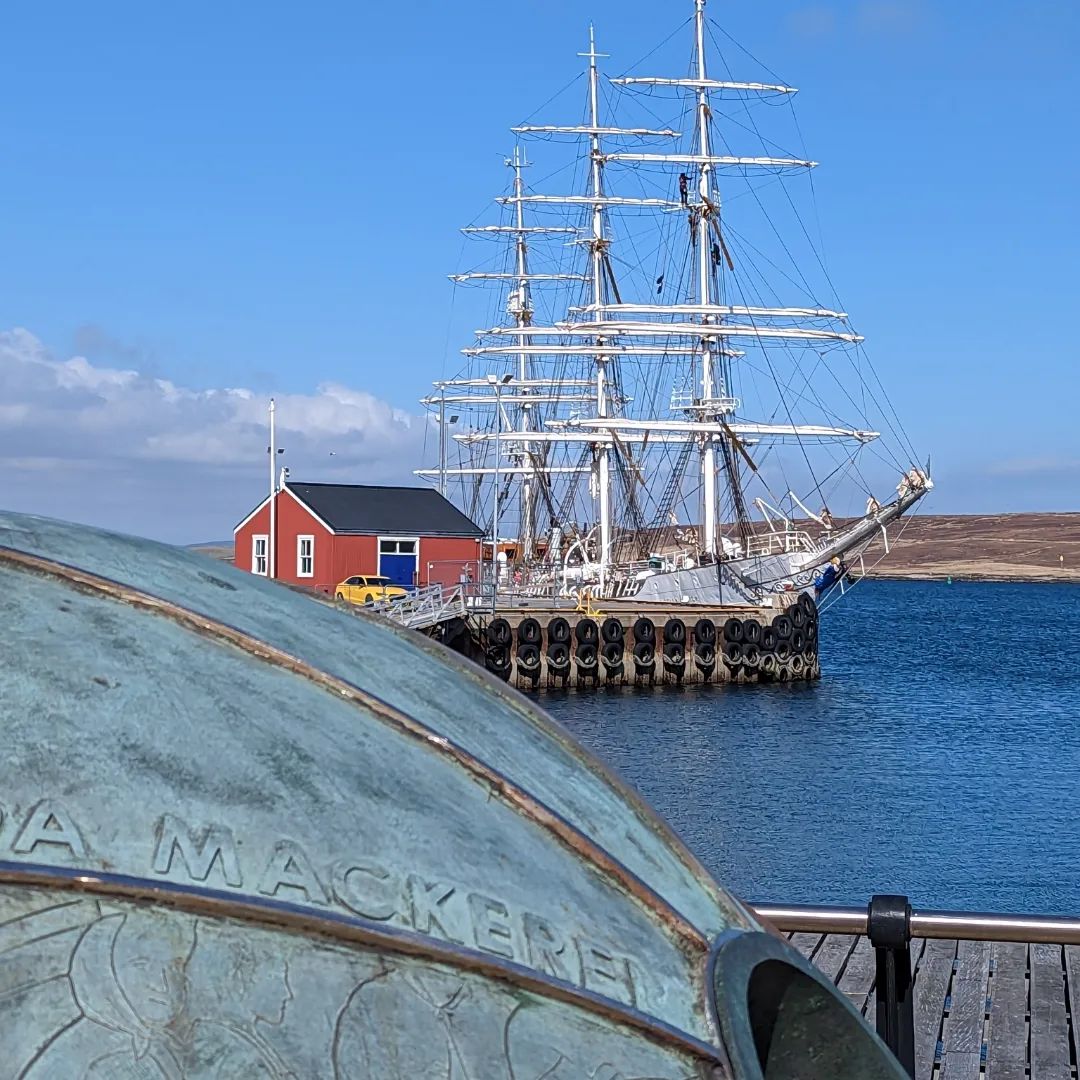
[732,653]
[586,655]
[558,631]
[797,616]
[768,639]
[529,632]
[782,626]
[612,653]
[733,630]
[645,630]
[528,655]
[644,652]
[798,641]
[499,632]
[705,653]
[751,656]
[768,665]
[612,630]
[558,655]
[751,630]
[705,631]
[674,632]
[798,666]
[783,651]
[586,632]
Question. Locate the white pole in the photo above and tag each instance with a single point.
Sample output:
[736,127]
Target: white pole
[495,514]
[598,290]
[442,441]
[708,453]
[271,566]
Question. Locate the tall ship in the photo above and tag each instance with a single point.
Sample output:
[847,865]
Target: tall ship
[667,402]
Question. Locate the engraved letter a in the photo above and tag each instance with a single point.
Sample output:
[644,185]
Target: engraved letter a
[198,854]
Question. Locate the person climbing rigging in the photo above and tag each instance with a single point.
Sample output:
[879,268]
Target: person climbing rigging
[684,196]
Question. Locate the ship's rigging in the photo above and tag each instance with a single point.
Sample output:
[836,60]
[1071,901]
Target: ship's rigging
[647,386]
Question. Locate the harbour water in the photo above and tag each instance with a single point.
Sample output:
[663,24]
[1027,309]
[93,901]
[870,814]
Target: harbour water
[938,756]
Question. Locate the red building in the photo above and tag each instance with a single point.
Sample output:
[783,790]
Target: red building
[325,533]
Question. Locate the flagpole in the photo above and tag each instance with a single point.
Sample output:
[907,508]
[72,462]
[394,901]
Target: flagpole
[271,566]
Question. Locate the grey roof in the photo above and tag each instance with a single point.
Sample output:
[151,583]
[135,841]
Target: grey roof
[405,511]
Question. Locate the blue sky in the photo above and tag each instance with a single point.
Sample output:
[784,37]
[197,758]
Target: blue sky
[203,204]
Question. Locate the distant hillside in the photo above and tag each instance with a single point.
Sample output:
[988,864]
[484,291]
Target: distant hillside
[989,547]
[222,550]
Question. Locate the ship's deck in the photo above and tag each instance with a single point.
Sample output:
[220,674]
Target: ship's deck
[1001,1011]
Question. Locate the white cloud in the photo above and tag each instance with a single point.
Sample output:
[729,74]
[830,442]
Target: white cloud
[119,447]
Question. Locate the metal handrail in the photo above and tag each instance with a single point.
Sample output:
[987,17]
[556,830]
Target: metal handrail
[969,925]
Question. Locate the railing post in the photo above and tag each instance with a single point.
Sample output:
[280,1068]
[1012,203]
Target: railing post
[888,921]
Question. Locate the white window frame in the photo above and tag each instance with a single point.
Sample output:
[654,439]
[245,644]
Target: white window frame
[300,555]
[264,537]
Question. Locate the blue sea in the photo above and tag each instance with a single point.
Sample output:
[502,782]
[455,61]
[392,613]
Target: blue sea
[939,755]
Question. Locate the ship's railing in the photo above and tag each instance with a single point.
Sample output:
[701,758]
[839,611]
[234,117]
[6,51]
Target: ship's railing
[780,542]
[890,923]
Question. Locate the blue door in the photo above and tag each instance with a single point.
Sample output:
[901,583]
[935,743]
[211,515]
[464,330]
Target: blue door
[397,561]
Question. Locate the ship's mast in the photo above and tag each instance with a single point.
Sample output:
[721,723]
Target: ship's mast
[598,244]
[705,297]
[521,309]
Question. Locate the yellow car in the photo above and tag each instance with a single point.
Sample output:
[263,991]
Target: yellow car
[366,590]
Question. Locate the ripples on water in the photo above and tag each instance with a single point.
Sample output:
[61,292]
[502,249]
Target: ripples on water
[938,756]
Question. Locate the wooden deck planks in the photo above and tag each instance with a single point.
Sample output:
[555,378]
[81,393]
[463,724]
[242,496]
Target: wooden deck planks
[931,989]
[832,954]
[962,1031]
[1049,1028]
[979,1015]
[1008,1028]
[857,981]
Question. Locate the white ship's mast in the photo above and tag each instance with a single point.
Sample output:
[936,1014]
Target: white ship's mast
[705,297]
[521,309]
[598,244]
